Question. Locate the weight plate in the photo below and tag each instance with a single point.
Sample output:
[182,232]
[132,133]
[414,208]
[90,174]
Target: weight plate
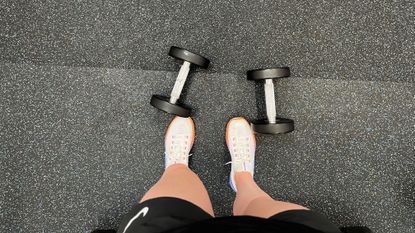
[281,125]
[191,57]
[162,103]
[271,73]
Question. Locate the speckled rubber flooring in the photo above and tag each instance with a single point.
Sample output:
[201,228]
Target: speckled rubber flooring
[338,39]
[80,142]
[80,145]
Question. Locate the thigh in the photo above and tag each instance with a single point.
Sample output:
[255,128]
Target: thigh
[180,182]
[161,214]
[307,218]
[290,212]
[265,207]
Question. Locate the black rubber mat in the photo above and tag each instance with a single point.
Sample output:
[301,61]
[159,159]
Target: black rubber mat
[365,40]
[80,145]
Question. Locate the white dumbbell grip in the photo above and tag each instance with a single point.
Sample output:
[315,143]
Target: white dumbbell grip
[270,100]
[181,79]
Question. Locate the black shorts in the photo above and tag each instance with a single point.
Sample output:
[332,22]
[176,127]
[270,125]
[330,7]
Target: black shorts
[176,215]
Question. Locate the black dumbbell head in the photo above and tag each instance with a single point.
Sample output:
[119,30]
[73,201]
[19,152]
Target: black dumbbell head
[280,126]
[162,103]
[271,73]
[191,57]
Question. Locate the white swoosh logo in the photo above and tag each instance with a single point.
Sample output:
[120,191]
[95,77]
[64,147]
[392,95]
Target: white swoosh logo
[142,212]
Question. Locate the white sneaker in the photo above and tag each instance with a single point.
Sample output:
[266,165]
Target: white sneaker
[241,144]
[178,142]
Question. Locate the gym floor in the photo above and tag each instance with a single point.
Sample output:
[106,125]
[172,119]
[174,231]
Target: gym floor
[80,142]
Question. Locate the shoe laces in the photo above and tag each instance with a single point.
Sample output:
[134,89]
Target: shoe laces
[178,148]
[240,149]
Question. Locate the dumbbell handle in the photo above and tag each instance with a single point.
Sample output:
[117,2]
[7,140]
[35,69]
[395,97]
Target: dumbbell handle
[181,79]
[270,100]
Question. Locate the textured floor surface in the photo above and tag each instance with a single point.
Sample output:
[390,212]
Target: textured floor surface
[365,39]
[80,145]
[80,142]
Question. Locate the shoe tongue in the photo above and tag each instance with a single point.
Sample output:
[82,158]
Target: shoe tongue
[238,166]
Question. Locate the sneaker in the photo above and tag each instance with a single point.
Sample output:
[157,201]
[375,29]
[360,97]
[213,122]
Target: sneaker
[178,142]
[241,143]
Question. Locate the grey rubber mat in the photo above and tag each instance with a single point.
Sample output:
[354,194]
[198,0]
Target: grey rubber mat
[366,40]
[80,145]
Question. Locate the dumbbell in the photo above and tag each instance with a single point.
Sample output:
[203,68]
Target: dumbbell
[273,124]
[170,104]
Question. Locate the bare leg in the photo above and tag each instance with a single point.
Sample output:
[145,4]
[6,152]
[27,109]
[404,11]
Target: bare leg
[253,201]
[180,182]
